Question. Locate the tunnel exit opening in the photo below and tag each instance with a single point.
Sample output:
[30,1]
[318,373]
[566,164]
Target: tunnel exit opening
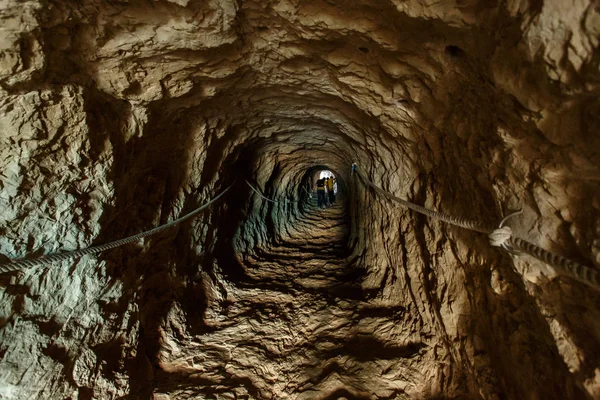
[326,174]
[329,175]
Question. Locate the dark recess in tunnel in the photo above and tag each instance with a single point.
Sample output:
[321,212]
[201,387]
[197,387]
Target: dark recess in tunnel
[236,216]
[308,180]
[119,117]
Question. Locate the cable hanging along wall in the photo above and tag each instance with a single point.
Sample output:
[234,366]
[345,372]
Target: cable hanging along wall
[15,265]
[500,237]
[266,198]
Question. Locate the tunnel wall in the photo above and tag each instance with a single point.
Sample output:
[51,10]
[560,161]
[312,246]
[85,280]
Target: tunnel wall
[116,117]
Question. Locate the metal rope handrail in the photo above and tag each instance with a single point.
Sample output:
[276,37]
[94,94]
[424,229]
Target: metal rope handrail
[461,222]
[14,265]
[266,198]
[501,237]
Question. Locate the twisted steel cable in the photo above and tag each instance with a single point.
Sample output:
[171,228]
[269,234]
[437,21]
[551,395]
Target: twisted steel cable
[457,221]
[266,198]
[56,257]
[501,237]
[589,276]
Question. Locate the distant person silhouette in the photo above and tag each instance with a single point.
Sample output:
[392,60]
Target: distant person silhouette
[330,190]
[321,193]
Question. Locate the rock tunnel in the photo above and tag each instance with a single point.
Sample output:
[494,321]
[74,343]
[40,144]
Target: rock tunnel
[119,116]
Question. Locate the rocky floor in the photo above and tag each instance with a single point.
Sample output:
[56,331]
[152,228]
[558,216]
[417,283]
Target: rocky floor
[312,256]
[119,116]
[298,325]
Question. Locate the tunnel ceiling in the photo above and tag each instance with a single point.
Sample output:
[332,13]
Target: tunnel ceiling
[118,116]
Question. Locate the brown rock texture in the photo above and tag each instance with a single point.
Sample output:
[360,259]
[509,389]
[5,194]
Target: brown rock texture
[117,116]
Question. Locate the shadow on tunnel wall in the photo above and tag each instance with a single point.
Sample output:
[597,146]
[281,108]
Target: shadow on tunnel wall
[149,173]
[231,260]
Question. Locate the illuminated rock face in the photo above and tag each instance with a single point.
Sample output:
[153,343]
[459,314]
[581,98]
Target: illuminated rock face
[118,116]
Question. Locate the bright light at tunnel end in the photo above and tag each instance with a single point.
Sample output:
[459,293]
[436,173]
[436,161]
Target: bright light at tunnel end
[326,174]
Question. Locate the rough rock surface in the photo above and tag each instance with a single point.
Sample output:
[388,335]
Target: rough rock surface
[117,116]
